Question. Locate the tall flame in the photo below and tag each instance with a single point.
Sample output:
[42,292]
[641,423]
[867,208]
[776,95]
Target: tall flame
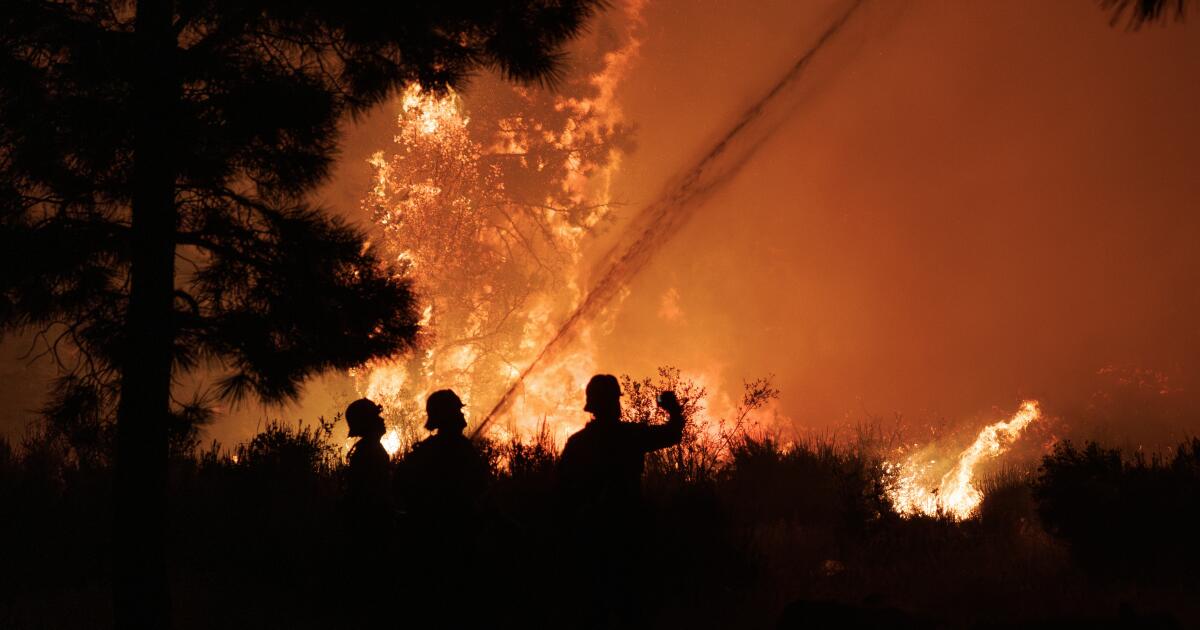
[955,494]
[488,215]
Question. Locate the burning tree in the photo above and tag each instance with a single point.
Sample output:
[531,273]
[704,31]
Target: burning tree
[485,206]
[137,134]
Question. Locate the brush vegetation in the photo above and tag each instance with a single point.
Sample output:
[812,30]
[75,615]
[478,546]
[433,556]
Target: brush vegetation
[741,530]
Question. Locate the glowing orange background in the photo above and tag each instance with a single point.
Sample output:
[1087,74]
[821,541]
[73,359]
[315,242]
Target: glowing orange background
[977,202]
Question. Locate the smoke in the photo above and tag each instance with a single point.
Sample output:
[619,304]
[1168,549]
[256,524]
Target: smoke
[660,220]
[992,203]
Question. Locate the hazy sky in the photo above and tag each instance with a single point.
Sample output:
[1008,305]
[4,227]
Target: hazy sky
[979,202]
[975,202]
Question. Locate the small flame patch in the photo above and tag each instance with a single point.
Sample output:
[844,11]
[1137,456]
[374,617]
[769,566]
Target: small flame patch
[955,494]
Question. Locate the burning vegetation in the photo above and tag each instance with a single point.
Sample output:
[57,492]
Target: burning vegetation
[483,272]
[730,518]
[487,207]
[516,192]
[919,486]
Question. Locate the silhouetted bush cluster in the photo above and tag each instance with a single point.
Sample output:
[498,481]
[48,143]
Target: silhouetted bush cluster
[1131,516]
[731,539]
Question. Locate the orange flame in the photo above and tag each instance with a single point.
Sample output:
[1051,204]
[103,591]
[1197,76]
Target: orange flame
[391,441]
[412,202]
[955,495]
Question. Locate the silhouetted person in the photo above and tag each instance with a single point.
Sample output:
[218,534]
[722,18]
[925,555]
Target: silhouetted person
[600,477]
[601,466]
[439,484]
[370,515]
[368,475]
[444,475]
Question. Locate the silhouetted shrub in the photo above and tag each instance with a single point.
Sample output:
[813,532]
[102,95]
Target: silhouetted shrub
[524,461]
[1124,516]
[813,484]
[1008,508]
[282,450]
[257,541]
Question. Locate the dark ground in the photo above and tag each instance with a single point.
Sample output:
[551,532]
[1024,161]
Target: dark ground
[771,537]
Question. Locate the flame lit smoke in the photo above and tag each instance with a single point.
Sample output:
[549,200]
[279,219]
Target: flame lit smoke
[663,218]
[954,494]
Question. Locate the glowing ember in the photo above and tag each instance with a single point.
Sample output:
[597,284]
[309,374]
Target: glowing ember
[954,495]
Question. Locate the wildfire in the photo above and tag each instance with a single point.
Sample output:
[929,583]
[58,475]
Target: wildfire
[488,215]
[954,495]
[432,112]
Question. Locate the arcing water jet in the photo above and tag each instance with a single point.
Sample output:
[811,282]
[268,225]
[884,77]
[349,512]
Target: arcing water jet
[660,220]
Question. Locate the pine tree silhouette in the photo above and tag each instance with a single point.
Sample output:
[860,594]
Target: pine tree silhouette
[138,135]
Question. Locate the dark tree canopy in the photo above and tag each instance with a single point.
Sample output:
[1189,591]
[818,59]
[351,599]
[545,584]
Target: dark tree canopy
[276,288]
[155,162]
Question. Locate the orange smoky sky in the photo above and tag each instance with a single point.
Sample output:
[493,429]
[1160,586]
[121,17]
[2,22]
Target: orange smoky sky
[980,202]
[972,203]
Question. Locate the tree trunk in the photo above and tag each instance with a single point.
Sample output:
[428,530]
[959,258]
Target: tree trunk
[141,597]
